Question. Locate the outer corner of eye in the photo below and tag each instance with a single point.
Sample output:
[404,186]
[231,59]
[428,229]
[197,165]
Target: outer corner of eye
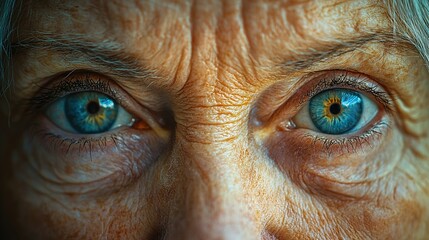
[336,111]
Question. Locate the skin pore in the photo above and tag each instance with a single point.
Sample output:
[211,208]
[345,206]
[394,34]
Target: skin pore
[219,151]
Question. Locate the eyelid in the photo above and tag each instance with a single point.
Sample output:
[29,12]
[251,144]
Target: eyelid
[80,81]
[354,81]
[57,114]
[371,111]
[324,81]
[72,82]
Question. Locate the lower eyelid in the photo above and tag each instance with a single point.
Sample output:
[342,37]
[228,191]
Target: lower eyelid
[90,159]
[329,165]
[312,148]
[70,143]
[350,143]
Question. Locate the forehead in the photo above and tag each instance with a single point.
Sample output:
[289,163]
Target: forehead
[291,22]
[171,36]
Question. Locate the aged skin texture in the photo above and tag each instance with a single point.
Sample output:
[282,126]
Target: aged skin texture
[219,148]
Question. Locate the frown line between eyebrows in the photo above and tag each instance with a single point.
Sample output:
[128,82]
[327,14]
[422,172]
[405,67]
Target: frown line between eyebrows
[108,54]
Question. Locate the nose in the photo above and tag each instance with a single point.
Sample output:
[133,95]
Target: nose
[215,200]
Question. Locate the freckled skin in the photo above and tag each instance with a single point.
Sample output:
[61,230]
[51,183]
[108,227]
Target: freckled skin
[223,170]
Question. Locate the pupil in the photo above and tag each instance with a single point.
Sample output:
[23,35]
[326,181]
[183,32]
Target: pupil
[92,107]
[335,108]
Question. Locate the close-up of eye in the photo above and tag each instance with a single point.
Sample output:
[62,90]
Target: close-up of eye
[344,115]
[88,113]
[337,111]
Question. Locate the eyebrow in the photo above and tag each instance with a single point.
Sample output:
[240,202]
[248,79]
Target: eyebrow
[303,59]
[108,54]
[112,56]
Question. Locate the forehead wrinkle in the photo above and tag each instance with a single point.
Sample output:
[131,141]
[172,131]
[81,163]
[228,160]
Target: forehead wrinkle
[106,53]
[142,39]
[299,59]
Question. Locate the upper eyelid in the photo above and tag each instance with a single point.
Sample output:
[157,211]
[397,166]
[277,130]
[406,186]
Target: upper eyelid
[70,82]
[93,81]
[359,82]
[310,85]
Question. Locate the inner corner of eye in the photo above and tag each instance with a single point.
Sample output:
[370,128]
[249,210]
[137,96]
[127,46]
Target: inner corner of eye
[140,124]
[286,125]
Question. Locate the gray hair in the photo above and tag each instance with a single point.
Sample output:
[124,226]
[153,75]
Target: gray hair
[6,10]
[410,18]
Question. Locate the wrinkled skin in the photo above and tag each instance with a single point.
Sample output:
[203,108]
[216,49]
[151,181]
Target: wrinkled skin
[215,159]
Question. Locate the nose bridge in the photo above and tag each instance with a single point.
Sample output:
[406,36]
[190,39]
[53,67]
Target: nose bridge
[213,203]
[211,147]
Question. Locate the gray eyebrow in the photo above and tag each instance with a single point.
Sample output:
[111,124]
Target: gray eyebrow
[303,59]
[106,53]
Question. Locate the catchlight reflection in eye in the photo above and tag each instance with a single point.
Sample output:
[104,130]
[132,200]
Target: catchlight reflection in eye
[337,111]
[88,113]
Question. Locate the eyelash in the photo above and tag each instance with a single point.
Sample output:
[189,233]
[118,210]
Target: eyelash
[350,80]
[344,144]
[74,82]
[349,143]
[71,82]
[82,143]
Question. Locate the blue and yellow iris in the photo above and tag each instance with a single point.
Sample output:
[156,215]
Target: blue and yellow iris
[90,112]
[336,111]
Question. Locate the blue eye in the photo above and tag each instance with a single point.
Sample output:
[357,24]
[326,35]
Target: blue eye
[337,111]
[88,113]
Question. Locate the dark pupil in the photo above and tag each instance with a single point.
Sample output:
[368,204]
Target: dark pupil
[93,107]
[335,108]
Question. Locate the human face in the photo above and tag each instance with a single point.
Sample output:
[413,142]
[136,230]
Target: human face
[217,142]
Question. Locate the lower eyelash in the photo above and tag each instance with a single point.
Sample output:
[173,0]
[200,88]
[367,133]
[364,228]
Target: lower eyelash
[84,144]
[348,145]
[64,145]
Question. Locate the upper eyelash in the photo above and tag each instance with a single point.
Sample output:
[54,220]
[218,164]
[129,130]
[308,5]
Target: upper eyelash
[350,80]
[67,85]
[348,144]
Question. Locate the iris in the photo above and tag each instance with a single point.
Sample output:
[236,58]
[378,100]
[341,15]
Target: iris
[336,111]
[90,112]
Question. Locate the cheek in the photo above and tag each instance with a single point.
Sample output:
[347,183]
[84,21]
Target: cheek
[126,214]
[37,207]
[48,222]
[387,218]
[371,194]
